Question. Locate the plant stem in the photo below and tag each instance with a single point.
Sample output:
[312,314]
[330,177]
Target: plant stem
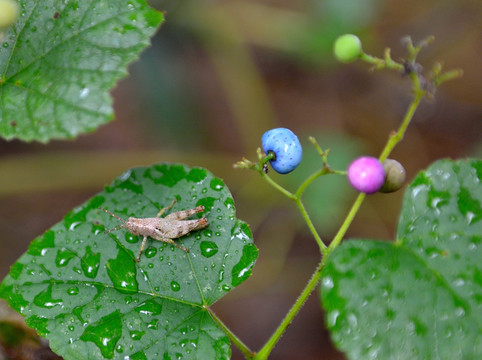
[386,63]
[268,347]
[308,221]
[278,187]
[393,140]
[346,224]
[396,137]
[309,180]
[248,354]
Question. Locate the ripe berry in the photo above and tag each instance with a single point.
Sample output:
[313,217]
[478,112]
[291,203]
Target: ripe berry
[347,48]
[395,176]
[366,174]
[286,148]
[8,13]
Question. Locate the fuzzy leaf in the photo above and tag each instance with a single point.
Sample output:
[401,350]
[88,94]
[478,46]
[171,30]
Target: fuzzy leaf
[61,58]
[82,289]
[420,297]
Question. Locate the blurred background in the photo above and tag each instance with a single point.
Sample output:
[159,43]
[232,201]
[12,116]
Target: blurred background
[221,73]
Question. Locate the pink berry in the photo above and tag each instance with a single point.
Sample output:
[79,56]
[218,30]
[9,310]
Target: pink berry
[366,174]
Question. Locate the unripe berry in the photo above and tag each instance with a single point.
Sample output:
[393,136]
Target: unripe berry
[8,13]
[286,148]
[394,176]
[366,174]
[347,48]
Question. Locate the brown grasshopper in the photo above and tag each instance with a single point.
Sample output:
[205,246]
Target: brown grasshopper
[165,229]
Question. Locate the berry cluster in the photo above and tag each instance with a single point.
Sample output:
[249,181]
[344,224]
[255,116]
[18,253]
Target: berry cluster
[365,174]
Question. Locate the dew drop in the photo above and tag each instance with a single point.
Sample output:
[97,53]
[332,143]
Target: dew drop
[63,257]
[90,263]
[332,318]
[208,248]
[122,271]
[216,184]
[229,203]
[105,333]
[459,282]
[84,92]
[74,225]
[45,299]
[242,270]
[459,312]
[327,282]
[151,252]
[131,238]
[136,335]
[175,286]
[352,320]
[150,308]
[152,324]
[73,290]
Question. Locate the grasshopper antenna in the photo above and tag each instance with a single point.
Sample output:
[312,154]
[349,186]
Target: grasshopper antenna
[118,218]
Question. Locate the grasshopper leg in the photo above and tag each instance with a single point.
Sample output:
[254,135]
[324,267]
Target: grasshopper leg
[143,245]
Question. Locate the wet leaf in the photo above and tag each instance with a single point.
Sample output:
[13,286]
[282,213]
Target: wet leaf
[420,297]
[82,289]
[61,58]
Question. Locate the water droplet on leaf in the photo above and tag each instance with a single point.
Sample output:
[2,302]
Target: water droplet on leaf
[175,286]
[208,248]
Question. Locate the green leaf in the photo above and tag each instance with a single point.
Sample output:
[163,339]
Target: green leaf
[420,297]
[82,289]
[61,58]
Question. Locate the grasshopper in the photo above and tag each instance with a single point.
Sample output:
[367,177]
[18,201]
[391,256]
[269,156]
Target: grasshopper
[164,229]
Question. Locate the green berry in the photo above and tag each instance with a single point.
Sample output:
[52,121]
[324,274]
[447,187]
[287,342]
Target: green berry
[347,48]
[8,13]
[395,176]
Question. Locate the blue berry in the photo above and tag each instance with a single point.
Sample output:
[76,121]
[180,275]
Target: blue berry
[366,174]
[286,148]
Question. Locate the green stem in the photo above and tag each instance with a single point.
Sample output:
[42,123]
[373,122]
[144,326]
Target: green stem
[308,221]
[268,347]
[386,63]
[393,140]
[278,187]
[346,224]
[309,180]
[248,354]
[396,137]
